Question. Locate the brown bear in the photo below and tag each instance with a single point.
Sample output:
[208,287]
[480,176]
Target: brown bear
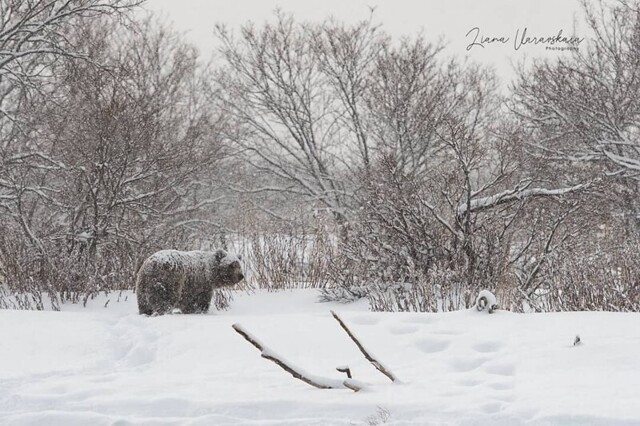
[183,281]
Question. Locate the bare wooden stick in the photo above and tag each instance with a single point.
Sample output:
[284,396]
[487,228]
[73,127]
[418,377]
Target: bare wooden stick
[351,385]
[345,370]
[266,354]
[381,368]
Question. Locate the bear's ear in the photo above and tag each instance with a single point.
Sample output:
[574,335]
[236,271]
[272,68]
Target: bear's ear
[220,254]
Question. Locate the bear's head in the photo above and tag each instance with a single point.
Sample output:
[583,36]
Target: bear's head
[229,269]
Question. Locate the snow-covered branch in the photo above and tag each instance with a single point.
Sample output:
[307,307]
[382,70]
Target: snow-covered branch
[512,195]
[296,372]
[627,163]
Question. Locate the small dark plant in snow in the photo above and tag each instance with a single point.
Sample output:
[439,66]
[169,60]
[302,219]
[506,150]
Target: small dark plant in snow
[380,417]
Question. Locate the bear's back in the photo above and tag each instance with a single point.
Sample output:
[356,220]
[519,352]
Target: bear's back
[190,263]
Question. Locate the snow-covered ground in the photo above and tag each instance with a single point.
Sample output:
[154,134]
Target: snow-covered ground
[110,366]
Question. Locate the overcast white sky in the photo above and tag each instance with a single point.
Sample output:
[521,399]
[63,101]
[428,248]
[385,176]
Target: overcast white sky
[451,19]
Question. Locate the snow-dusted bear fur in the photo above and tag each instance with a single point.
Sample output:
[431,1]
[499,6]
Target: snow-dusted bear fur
[184,280]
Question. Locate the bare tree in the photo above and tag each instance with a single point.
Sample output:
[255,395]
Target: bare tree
[34,37]
[347,57]
[447,208]
[33,34]
[296,93]
[583,111]
[123,161]
[140,140]
[408,98]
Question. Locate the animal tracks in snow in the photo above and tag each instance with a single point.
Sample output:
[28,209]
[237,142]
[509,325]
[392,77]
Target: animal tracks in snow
[502,369]
[491,408]
[480,364]
[501,385]
[432,345]
[487,347]
[464,365]
[111,366]
[403,329]
[420,319]
[365,320]
[448,333]
[134,346]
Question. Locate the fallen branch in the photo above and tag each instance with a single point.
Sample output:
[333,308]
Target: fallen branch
[377,364]
[318,382]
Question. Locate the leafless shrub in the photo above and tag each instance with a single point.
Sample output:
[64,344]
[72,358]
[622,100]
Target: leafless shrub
[605,280]
[437,292]
[281,261]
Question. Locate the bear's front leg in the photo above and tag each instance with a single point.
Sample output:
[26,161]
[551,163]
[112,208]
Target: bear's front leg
[192,304]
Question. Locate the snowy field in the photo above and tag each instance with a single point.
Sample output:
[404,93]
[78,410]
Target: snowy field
[110,366]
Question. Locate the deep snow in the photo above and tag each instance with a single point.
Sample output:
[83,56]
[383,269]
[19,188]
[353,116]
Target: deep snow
[110,366]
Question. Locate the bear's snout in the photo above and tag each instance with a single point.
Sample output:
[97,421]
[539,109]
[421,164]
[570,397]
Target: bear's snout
[235,277]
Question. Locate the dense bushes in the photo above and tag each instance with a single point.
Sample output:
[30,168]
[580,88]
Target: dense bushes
[333,158]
